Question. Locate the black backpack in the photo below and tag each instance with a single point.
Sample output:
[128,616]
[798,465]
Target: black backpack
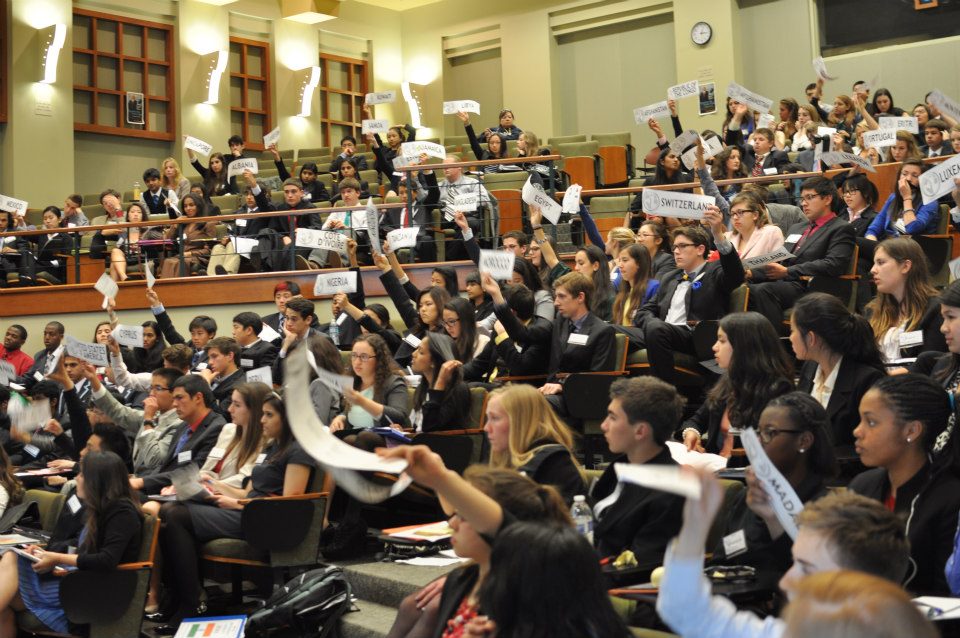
[310,605]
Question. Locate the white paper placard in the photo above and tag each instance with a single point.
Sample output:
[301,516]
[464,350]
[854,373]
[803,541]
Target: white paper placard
[465,203]
[571,199]
[272,137]
[499,263]
[782,496]
[130,336]
[684,140]
[461,106]
[686,89]
[383,97]
[263,375]
[13,205]
[836,157]
[268,334]
[374,126]
[945,104]
[238,166]
[711,147]
[107,286]
[780,254]
[765,121]
[938,181]
[826,131]
[244,245]
[151,278]
[753,100]
[7,372]
[675,204]
[413,150]
[323,239]
[332,283]
[372,222]
[905,123]
[880,138]
[198,145]
[533,194]
[403,237]
[820,68]
[94,353]
[656,110]
[665,478]
[28,415]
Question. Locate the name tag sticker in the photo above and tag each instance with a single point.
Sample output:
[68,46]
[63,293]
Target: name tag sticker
[792,239]
[578,339]
[770,171]
[185,457]
[735,544]
[912,338]
[38,376]
[413,340]
[74,504]
[32,450]
[246,363]
[242,223]
[261,458]
[202,365]
[217,453]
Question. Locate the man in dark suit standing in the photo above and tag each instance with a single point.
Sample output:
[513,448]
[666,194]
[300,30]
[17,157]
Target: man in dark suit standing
[581,341]
[697,290]
[194,438]
[254,351]
[822,246]
[761,158]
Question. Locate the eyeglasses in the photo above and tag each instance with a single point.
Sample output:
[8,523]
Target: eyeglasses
[809,198]
[450,322]
[767,435]
[739,213]
[647,235]
[363,358]
[677,246]
[159,388]
[850,191]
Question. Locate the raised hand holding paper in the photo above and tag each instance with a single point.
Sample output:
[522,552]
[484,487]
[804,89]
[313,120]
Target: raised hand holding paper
[403,237]
[383,97]
[107,286]
[461,106]
[938,181]
[499,263]
[412,150]
[373,226]
[684,140]
[323,239]
[130,336]
[464,202]
[753,100]
[197,145]
[534,194]
[820,68]
[151,278]
[675,204]
[272,137]
[765,121]
[687,89]
[945,104]
[905,123]
[331,283]
[13,205]
[666,478]
[656,111]
[238,166]
[374,126]
[571,199]
[836,157]
[94,353]
[786,503]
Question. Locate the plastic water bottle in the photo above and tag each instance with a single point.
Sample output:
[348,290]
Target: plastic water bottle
[582,517]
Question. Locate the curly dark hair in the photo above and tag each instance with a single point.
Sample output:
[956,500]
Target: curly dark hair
[386,366]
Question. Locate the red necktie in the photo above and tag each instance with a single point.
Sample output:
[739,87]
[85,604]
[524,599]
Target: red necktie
[758,166]
[404,220]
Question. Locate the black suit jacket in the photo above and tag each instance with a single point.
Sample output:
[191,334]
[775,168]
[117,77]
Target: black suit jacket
[281,224]
[933,339]
[223,392]
[946,149]
[257,355]
[853,381]
[199,444]
[708,301]
[774,159]
[826,252]
[423,202]
[860,224]
[597,354]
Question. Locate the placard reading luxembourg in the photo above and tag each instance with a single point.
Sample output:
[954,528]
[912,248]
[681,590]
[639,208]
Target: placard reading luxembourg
[880,138]
[687,89]
[416,149]
[675,204]
[13,205]
[904,123]
[197,145]
[383,97]
[535,195]
[499,263]
[745,96]
[374,126]
[461,106]
[94,353]
[403,237]
[237,166]
[130,336]
[331,283]
[938,181]
[656,111]
[324,239]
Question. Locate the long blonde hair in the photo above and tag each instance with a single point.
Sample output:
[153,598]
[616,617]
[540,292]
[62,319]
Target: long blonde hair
[177,176]
[531,420]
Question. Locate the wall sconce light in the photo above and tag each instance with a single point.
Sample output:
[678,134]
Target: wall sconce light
[309,11]
[308,85]
[52,39]
[413,103]
[216,64]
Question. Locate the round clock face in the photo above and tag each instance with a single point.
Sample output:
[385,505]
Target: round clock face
[701,33]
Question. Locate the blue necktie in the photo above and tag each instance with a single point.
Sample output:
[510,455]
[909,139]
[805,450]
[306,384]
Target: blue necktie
[182,441]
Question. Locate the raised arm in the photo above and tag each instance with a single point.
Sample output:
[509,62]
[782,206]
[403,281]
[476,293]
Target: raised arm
[471,135]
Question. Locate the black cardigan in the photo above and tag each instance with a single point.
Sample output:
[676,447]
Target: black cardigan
[118,538]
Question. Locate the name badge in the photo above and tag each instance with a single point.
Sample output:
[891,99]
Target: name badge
[74,504]
[735,544]
[32,450]
[246,363]
[912,338]
[38,376]
[185,457]
[413,340]
[769,171]
[242,223]
[261,458]
[792,239]
[578,339]
[202,365]
[217,453]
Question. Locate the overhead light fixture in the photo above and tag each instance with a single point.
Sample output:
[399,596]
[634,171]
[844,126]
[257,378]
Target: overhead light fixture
[413,103]
[52,39]
[216,64]
[308,85]
[310,11]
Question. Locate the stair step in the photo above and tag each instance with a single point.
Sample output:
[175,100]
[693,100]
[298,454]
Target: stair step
[372,621]
[389,583]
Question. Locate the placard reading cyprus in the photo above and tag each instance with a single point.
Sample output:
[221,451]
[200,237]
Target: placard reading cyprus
[675,204]
[130,336]
[238,166]
[938,181]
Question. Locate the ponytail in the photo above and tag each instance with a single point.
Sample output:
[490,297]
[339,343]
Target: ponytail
[843,332]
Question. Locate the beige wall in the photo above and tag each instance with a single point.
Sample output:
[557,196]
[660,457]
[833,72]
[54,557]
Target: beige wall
[477,77]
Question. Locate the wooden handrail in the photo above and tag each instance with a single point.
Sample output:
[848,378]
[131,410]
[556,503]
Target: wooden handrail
[496,162]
